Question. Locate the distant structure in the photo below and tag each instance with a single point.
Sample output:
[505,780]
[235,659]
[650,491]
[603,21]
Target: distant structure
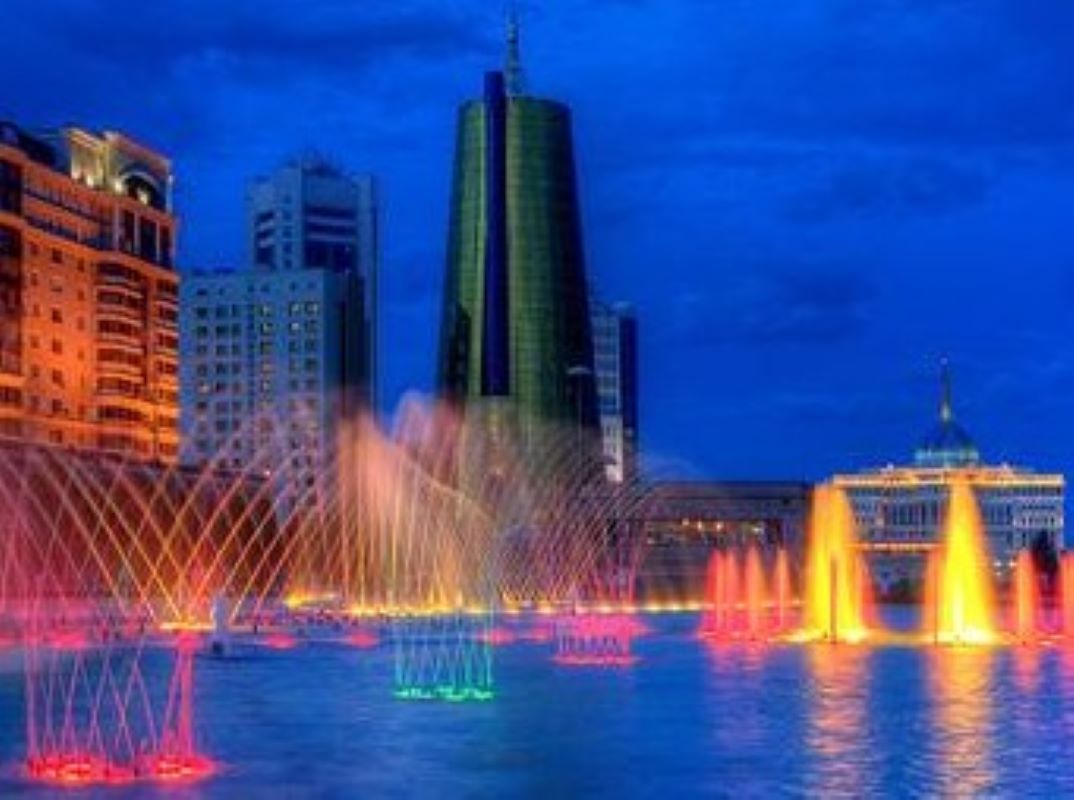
[279,353]
[900,509]
[515,333]
[88,294]
[615,356]
[683,522]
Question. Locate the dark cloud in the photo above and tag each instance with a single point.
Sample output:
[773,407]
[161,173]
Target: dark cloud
[278,35]
[878,186]
[770,307]
[859,408]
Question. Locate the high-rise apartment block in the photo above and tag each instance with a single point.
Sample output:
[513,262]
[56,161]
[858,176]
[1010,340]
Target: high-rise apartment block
[88,294]
[278,354]
[309,215]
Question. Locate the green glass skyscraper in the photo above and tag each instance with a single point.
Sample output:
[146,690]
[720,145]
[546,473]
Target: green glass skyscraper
[515,329]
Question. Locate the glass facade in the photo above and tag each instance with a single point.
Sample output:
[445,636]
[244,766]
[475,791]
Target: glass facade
[548,355]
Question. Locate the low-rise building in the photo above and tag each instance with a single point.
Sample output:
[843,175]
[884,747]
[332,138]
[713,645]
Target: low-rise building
[900,510]
[683,522]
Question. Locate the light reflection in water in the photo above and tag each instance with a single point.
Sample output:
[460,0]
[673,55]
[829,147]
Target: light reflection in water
[1026,667]
[737,671]
[961,682]
[838,734]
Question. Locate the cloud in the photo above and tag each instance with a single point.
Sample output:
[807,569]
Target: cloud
[763,307]
[189,74]
[882,186]
[152,38]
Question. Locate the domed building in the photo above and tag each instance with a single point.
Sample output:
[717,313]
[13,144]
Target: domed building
[900,509]
[947,445]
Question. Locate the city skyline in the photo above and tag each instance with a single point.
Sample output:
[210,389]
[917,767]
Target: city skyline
[600,398]
[872,225]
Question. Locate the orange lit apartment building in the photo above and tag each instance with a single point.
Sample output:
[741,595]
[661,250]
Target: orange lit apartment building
[88,294]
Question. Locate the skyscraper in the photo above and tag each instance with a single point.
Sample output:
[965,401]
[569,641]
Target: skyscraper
[615,356]
[278,354]
[515,327]
[88,294]
[311,215]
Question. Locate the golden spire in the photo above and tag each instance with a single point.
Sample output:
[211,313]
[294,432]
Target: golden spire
[946,410]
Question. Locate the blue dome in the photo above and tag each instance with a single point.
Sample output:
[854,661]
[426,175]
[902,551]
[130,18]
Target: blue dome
[947,444]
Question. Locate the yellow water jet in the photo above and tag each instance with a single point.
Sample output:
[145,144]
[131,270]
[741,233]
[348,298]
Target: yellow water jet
[835,580]
[960,594]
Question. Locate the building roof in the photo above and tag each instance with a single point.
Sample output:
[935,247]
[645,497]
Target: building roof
[947,444]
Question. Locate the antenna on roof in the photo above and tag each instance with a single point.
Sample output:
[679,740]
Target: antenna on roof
[513,66]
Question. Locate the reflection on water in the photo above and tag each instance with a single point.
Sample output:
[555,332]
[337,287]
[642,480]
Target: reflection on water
[1026,667]
[838,732]
[737,672]
[962,688]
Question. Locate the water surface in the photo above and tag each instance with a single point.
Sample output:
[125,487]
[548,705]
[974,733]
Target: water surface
[688,720]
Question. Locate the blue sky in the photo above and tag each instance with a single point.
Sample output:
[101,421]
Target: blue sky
[808,202]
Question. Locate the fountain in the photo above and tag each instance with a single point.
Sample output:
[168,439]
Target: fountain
[721,581]
[1026,599]
[835,590]
[738,603]
[1066,589]
[959,595]
[783,590]
[592,638]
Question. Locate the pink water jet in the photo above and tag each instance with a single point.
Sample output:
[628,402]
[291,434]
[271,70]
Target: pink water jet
[593,639]
[738,603]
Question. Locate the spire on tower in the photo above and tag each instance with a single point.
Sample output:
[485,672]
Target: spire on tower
[513,65]
[946,410]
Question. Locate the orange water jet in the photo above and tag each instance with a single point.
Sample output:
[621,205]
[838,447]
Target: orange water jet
[1026,598]
[834,590]
[1066,587]
[959,593]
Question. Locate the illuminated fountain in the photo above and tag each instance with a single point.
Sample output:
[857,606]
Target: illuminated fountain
[1026,601]
[96,716]
[601,626]
[783,598]
[836,585]
[1066,595]
[721,594]
[738,601]
[106,701]
[594,639]
[960,607]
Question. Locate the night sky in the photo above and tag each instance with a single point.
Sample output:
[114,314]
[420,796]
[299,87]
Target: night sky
[807,201]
